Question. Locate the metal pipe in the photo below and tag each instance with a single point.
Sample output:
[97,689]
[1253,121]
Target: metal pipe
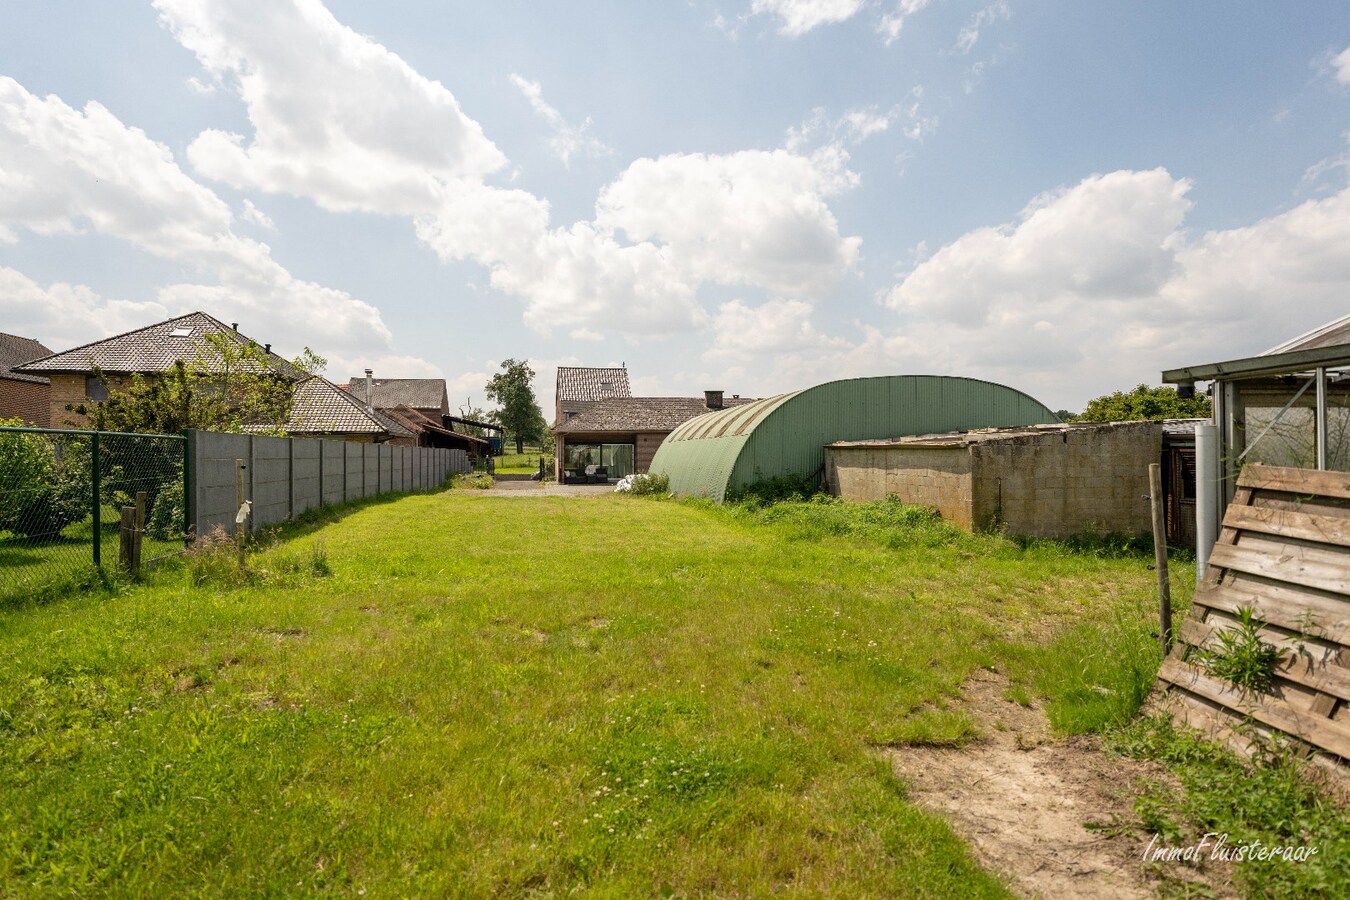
[1206,495]
[1321,420]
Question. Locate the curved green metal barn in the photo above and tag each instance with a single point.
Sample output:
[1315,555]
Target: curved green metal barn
[721,452]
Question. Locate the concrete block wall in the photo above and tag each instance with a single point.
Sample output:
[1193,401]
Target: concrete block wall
[286,476]
[1069,482]
[1052,484]
[937,477]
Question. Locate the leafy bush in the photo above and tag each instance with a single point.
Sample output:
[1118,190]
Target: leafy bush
[477,480]
[775,490]
[45,483]
[165,522]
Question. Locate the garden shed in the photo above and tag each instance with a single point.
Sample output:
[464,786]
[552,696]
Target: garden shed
[1049,481]
[725,451]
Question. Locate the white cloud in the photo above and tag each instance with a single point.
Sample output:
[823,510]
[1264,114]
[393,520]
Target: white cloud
[852,128]
[1341,62]
[969,35]
[340,119]
[65,315]
[336,117]
[893,23]
[567,140]
[774,327]
[797,17]
[1099,285]
[255,216]
[66,171]
[755,217]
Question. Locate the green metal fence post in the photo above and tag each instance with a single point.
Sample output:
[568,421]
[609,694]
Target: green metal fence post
[98,505]
[189,499]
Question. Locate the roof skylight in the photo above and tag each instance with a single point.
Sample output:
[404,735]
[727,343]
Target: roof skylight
[181,332]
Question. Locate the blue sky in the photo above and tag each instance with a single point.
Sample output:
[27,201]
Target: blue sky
[756,196]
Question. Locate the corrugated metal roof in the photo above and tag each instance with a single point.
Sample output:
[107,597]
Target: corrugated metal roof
[589,384]
[733,448]
[1333,334]
[15,351]
[639,414]
[386,393]
[155,348]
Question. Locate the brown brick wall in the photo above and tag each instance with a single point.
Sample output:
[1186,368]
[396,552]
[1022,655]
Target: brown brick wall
[645,450]
[26,400]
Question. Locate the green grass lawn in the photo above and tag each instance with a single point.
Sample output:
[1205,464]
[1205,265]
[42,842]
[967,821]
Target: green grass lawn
[504,696]
[512,463]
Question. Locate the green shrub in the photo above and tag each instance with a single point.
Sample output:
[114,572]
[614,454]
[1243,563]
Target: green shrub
[45,483]
[768,491]
[478,481]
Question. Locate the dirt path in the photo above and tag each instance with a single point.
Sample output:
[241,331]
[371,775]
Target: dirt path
[1054,817]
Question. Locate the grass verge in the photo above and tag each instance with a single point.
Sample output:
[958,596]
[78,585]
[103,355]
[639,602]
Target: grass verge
[457,693]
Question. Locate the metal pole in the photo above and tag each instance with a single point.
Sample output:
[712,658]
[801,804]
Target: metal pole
[1206,495]
[1160,556]
[1321,420]
[189,501]
[98,505]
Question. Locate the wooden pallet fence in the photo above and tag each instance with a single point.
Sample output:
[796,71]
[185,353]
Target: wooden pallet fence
[1283,553]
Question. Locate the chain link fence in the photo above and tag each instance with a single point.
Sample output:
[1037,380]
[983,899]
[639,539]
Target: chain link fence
[61,498]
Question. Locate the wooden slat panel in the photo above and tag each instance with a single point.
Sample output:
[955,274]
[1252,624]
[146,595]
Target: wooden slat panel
[1298,565]
[1325,529]
[1295,481]
[1325,733]
[1317,670]
[1322,616]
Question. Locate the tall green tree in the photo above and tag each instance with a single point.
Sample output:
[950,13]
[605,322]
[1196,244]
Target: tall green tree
[1144,403]
[520,414]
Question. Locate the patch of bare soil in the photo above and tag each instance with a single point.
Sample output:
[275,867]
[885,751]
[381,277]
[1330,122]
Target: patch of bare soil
[1054,817]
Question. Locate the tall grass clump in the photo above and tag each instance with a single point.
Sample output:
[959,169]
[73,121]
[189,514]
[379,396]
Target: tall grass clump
[889,523]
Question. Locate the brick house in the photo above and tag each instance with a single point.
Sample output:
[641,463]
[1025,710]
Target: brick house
[422,406]
[23,396]
[319,407]
[604,433]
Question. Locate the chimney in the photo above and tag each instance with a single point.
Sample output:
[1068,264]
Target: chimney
[712,399]
[267,348]
[370,388]
[234,325]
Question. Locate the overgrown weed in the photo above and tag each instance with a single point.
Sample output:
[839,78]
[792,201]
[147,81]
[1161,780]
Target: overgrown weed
[1272,798]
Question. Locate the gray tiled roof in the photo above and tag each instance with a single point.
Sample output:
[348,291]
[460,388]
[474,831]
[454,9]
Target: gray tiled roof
[321,407]
[386,393]
[639,414]
[154,348]
[575,383]
[14,351]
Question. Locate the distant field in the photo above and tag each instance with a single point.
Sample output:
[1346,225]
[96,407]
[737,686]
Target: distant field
[513,696]
[520,463]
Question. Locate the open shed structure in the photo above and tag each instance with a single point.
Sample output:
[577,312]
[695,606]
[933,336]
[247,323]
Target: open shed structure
[725,451]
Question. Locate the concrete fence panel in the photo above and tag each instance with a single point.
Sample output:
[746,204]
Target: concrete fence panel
[333,471]
[305,481]
[283,477]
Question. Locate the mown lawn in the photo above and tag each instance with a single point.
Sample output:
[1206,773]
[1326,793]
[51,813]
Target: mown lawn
[507,696]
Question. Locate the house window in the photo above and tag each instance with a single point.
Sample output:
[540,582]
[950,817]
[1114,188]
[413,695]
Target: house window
[181,332]
[616,459]
[95,389]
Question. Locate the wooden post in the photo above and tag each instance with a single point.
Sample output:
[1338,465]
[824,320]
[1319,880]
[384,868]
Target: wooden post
[137,532]
[1160,556]
[126,552]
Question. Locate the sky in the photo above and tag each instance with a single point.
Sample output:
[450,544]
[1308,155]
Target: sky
[746,195]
